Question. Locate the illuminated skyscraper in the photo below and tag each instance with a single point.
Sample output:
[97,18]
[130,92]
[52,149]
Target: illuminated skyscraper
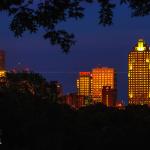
[84,84]
[102,76]
[139,74]
[2,63]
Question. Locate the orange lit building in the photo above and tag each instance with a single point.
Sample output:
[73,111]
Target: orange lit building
[73,100]
[102,76]
[84,84]
[139,74]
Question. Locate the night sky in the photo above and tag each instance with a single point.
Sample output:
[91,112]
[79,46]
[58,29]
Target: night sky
[95,45]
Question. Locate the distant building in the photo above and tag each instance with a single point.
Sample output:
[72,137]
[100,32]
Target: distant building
[139,74]
[102,76]
[109,96]
[98,86]
[56,90]
[2,63]
[74,100]
[84,84]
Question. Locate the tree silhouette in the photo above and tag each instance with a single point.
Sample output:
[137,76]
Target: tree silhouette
[26,83]
[31,15]
[28,122]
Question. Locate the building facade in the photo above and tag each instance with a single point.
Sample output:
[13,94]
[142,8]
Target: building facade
[84,84]
[139,74]
[102,76]
[73,100]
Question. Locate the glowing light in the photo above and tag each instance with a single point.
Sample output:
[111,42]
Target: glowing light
[84,73]
[147,60]
[128,74]
[130,67]
[2,73]
[119,105]
[131,95]
[141,46]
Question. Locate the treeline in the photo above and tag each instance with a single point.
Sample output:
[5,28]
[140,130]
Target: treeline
[28,122]
[31,120]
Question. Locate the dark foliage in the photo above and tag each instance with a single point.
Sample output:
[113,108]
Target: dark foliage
[29,122]
[32,15]
[25,83]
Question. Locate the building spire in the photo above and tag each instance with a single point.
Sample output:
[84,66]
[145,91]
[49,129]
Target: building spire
[141,46]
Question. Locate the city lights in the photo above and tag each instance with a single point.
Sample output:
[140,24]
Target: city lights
[84,83]
[102,77]
[141,45]
[2,73]
[99,85]
[139,74]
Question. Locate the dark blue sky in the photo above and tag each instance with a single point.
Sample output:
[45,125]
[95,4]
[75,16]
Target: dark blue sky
[96,45]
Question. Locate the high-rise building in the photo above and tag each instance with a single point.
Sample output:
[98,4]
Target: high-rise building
[139,74]
[2,63]
[84,84]
[102,76]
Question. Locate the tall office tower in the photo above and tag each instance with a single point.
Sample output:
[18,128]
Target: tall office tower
[102,76]
[139,74]
[84,84]
[2,63]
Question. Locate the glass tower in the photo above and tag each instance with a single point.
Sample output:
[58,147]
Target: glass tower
[102,76]
[84,84]
[139,74]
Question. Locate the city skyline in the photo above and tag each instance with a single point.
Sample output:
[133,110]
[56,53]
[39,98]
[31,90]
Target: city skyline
[74,74]
[95,45]
[86,86]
